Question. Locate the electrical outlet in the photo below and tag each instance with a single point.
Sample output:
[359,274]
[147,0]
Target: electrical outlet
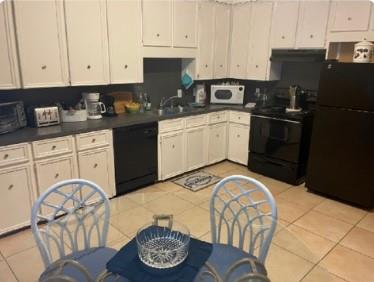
[179,93]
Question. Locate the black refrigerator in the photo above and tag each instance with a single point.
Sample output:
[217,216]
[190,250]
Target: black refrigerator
[341,159]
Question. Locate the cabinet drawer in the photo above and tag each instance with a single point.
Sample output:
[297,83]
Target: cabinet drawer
[14,154]
[16,197]
[171,125]
[93,139]
[196,121]
[242,118]
[52,147]
[217,117]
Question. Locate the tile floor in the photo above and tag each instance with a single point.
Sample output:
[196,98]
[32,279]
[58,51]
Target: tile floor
[316,240]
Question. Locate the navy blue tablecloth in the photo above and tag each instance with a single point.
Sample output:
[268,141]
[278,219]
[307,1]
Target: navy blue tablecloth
[127,264]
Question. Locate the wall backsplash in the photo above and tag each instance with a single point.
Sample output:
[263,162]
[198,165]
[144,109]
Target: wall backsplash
[162,78]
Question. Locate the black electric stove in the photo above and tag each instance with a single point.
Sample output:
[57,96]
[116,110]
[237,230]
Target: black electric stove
[279,143]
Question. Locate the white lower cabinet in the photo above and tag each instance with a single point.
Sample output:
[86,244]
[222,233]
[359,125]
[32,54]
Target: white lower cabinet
[196,147]
[16,197]
[97,166]
[238,143]
[217,142]
[51,171]
[171,154]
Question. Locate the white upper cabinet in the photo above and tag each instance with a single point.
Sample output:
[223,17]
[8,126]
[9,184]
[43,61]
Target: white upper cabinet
[350,15]
[9,75]
[124,33]
[41,43]
[221,40]
[157,22]
[372,18]
[259,50]
[313,18]
[185,23]
[284,26]
[87,38]
[204,60]
[240,40]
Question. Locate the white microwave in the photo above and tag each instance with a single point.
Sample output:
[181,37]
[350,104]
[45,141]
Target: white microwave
[227,94]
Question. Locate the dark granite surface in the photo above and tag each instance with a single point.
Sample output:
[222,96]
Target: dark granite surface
[29,134]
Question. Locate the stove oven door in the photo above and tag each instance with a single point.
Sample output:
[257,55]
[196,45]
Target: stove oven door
[275,138]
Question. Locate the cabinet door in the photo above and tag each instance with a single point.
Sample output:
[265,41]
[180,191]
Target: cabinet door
[16,197]
[51,171]
[156,22]
[205,40]
[172,154]
[350,15]
[240,40]
[124,33]
[217,143]
[283,34]
[196,148]
[98,167]
[87,42]
[312,25]
[184,23]
[258,58]
[221,40]
[9,73]
[238,143]
[41,43]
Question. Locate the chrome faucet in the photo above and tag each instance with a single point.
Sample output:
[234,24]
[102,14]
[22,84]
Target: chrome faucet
[165,100]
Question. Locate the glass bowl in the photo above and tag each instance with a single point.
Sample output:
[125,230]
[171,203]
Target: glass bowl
[163,246]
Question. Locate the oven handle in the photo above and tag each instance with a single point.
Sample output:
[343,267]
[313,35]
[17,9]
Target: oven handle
[281,119]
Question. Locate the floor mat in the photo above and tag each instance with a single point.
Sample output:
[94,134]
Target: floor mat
[197,180]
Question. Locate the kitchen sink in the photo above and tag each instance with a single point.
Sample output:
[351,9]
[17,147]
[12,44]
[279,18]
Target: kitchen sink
[167,111]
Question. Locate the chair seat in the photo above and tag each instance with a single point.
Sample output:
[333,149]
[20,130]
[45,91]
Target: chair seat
[94,260]
[223,256]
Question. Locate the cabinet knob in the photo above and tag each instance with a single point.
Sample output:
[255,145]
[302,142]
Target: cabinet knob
[10,187]
[173,146]
[198,75]
[349,18]
[218,117]
[238,117]
[93,140]
[88,67]
[283,37]
[5,156]
[221,66]
[217,135]
[206,65]
[311,36]
[57,175]
[126,66]
[256,66]
[186,36]
[238,135]
[44,67]
[53,147]
[95,165]
[158,35]
[237,65]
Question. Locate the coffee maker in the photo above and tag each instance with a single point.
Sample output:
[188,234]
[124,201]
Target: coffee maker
[93,106]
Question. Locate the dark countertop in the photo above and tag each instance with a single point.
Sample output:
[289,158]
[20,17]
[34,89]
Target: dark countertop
[29,134]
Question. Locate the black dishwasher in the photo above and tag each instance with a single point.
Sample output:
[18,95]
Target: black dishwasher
[135,156]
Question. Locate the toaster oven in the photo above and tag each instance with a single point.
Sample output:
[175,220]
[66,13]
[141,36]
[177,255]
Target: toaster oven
[227,94]
[12,116]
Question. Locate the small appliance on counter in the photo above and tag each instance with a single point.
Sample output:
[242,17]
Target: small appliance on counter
[363,52]
[200,95]
[12,116]
[40,116]
[227,94]
[93,106]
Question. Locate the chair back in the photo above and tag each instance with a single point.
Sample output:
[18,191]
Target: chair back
[243,214]
[71,216]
